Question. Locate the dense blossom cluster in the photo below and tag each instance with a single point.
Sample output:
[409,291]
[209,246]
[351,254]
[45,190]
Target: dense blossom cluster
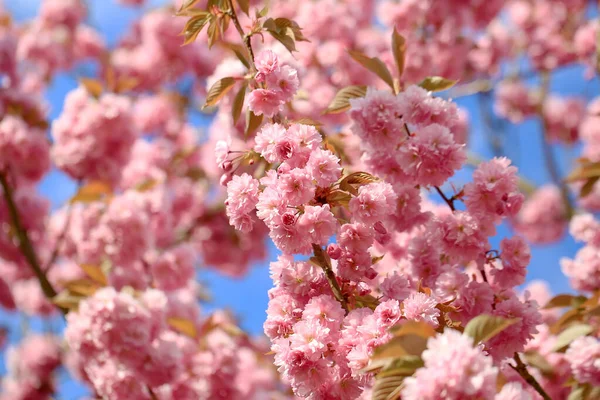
[329,140]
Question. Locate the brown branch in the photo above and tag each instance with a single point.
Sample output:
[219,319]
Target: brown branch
[549,159]
[323,261]
[521,369]
[24,243]
[244,36]
[59,241]
[448,201]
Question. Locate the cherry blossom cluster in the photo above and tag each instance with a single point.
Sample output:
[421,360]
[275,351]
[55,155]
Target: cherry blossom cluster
[388,241]
[327,142]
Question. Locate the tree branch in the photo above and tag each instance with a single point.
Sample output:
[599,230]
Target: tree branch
[549,159]
[448,201]
[521,369]
[325,264]
[24,243]
[59,242]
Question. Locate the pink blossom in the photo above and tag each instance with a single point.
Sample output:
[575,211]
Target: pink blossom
[473,299]
[265,102]
[296,186]
[377,119]
[584,270]
[275,144]
[373,203]
[543,218]
[123,230]
[420,307]
[396,287]
[324,167]
[515,257]
[513,391]
[514,338]
[266,63]
[174,269]
[319,223]
[563,117]
[242,197]
[454,369]
[24,149]
[584,356]
[431,156]
[93,138]
[35,359]
[284,80]
[494,191]
[514,101]
[585,228]
[420,108]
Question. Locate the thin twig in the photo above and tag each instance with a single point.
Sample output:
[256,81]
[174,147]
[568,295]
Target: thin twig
[325,264]
[521,369]
[448,201]
[243,35]
[549,158]
[24,243]
[59,241]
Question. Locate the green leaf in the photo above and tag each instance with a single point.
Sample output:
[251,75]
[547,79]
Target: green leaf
[405,365]
[563,300]
[359,178]
[240,53]
[385,387]
[93,191]
[374,65]
[585,170]
[308,121]
[213,32]
[253,121]
[92,86]
[184,326]
[238,103]
[484,327]
[289,26]
[262,12]
[245,6]
[338,198]
[535,359]
[587,188]
[218,90]
[571,333]
[193,27]
[341,101]
[577,393]
[67,300]
[285,40]
[95,272]
[186,5]
[399,50]
[437,83]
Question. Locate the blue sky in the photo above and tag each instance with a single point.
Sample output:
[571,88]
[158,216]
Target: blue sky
[248,297]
